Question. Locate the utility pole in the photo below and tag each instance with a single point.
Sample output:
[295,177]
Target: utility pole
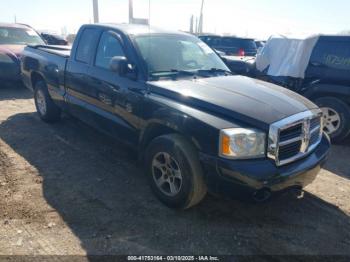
[191,24]
[200,24]
[96,14]
[131,12]
[134,20]
[15,19]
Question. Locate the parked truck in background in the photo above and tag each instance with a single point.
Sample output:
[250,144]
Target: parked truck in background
[53,39]
[231,45]
[237,53]
[325,79]
[172,99]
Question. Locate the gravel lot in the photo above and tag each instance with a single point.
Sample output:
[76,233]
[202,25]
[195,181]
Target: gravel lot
[65,189]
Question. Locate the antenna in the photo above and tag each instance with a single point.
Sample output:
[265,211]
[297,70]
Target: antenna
[95,8]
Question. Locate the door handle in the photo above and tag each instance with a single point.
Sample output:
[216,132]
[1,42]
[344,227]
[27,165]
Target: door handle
[316,64]
[114,88]
[105,99]
[133,89]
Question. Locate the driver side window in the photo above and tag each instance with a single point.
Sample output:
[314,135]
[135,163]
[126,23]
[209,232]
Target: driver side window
[108,48]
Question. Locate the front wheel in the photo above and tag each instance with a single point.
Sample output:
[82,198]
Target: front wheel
[336,117]
[45,107]
[174,171]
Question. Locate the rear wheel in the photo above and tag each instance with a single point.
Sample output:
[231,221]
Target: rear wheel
[174,171]
[45,107]
[336,117]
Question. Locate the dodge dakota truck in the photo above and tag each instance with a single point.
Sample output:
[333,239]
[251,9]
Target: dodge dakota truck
[196,127]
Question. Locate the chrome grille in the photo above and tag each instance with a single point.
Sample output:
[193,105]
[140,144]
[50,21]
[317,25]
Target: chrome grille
[289,150]
[290,133]
[294,137]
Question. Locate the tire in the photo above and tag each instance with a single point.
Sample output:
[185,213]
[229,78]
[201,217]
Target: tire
[182,161]
[333,109]
[45,107]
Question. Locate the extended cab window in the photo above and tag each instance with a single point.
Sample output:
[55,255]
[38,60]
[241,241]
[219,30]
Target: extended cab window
[108,47]
[86,44]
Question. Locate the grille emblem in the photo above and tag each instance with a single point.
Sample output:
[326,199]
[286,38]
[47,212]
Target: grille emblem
[306,136]
[294,144]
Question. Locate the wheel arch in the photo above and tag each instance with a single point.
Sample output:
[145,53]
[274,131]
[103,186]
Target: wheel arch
[159,128]
[340,126]
[316,91]
[35,77]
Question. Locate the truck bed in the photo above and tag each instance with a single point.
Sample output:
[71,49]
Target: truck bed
[57,50]
[48,61]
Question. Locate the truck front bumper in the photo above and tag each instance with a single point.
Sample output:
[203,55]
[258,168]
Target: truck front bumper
[244,178]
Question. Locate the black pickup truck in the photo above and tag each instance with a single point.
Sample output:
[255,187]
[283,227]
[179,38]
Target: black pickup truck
[173,100]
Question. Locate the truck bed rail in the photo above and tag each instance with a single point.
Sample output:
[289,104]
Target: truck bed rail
[57,50]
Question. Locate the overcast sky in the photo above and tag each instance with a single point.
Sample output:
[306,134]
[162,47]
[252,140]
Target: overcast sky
[254,18]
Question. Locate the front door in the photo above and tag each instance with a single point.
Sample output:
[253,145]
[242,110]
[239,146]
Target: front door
[116,98]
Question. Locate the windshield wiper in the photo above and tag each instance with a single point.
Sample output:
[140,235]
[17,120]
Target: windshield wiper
[171,72]
[215,71]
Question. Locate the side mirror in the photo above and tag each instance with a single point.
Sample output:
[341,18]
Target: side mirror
[119,65]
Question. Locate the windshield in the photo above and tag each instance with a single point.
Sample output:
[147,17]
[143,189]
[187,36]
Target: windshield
[19,36]
[169,53]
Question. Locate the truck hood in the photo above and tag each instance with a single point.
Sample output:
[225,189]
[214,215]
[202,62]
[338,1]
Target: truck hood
[237,98]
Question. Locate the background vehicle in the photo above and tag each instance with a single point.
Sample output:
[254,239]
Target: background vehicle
[172,99]
[13,39]
[70,38]
[52,39]
[325,80]
[240,65]
[237,53]
[259,43]
[230,45]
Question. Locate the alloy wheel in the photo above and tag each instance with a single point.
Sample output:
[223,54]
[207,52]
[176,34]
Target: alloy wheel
[331,120]
[166,174]
[41,102]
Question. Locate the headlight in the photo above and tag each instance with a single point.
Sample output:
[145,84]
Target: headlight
[241,143]
[5,59]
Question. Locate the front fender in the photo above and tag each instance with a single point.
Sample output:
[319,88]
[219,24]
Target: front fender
[200,127]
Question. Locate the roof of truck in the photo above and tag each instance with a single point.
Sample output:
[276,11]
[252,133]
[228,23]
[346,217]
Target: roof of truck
[14,25]
[335,37]
[135,29]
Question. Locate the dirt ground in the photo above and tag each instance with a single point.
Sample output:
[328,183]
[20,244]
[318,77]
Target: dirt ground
[65,189]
